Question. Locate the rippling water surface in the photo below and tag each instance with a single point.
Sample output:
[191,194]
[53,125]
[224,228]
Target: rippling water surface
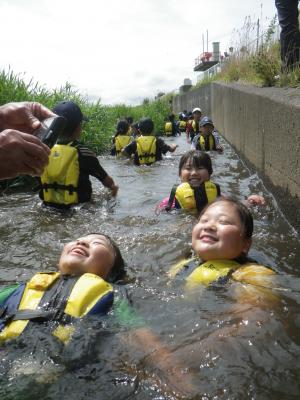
[260,361]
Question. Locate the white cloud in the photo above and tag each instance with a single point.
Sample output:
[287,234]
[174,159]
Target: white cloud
[119,50]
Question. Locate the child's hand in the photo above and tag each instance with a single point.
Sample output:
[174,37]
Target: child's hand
[256,200]
[173,147]
[114,190]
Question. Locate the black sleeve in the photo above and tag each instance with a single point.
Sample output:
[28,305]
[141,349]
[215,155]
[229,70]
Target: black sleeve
[89,164]
[162,146]
[131,148]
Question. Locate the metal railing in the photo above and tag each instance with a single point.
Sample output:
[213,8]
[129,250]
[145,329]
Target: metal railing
[244,50]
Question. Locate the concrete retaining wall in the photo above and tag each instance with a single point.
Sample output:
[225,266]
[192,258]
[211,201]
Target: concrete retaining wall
[263,125]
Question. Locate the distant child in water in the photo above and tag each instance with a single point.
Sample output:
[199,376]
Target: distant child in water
[206,140]
[147,148]
[121,138]
[196,189]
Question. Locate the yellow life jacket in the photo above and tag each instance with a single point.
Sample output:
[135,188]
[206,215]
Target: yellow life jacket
[182,126]
[211,143]
[168,128]
[195,126]
[121,141]
[209,272]
[216,270]
[185,195]
[60,177]
[89,294]
[146,149]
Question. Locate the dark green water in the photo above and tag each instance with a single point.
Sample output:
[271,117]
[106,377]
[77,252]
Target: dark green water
[260,361]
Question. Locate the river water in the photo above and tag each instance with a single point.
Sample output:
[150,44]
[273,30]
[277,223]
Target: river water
[259,360]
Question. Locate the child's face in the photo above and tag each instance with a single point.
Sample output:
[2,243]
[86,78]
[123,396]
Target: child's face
[92,253]
[207,129]
[219,234]
[197,115]
[195,176]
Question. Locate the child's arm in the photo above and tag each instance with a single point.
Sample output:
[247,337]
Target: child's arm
[166,365]
[172,147]
[140,338]
[129,149]
[110,184]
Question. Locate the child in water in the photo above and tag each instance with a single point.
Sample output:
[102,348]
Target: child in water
[147,148]
[121,138]
[196,189]
[206,140]
[221,240]
[82,287]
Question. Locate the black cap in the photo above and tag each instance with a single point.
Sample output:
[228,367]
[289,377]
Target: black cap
[206,121]
[72,113]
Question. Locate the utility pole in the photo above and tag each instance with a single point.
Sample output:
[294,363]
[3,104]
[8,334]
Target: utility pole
[207,40]
[257,36]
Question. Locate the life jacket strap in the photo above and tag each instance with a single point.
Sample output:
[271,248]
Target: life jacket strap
[200,197]
[42,316]
[171,198]
[146,155]
[56,186]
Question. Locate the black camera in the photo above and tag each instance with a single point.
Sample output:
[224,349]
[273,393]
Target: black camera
[51,128]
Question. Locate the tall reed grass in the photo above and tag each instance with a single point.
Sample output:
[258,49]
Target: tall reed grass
[97,132]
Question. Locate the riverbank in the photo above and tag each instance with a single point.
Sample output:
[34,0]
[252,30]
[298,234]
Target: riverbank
[262,124]
[97,132]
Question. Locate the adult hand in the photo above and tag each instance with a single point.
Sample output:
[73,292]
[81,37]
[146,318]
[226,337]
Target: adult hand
[21,153]
[23,116]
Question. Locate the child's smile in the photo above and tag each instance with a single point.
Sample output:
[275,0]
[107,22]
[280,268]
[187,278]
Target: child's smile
[195,176]
[219,234]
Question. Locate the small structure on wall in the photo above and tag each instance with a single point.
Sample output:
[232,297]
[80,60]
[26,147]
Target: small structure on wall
[187,84]
[207,59]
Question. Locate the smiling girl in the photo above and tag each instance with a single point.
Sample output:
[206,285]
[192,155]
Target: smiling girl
[221,240]
[196,189]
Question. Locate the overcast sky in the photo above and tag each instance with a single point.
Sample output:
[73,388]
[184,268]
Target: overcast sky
[117,50]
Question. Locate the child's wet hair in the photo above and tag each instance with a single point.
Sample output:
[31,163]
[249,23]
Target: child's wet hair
[196,158]
[242,210]
[117,271]
[146,126]
[122,127]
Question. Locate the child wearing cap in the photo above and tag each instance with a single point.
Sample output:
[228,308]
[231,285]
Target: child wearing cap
[65,181]
[192,127]
[206,140]
[147,148]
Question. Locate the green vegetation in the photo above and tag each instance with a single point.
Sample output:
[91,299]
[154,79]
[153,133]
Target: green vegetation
[98,131]
[255,62]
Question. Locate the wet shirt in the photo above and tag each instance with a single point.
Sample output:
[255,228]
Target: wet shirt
[161,148]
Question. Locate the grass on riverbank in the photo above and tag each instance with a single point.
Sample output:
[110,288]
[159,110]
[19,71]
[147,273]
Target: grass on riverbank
[256,65]
[102,118]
